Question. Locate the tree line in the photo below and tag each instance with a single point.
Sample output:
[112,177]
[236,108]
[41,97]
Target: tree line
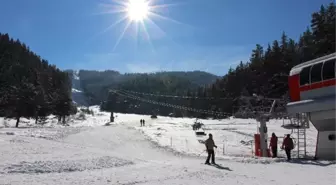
[265,74]
[96,84]
[170,83]
[29,86]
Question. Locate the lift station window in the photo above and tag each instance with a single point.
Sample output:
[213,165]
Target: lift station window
[304,76]
[329,69]
[315,73]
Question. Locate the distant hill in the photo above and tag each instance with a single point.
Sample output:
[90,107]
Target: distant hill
[91,87]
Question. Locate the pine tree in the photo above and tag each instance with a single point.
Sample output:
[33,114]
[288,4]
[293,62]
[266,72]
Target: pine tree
[26,87]
[267,72]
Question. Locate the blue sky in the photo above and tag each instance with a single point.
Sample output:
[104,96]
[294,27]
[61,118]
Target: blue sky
[208,35]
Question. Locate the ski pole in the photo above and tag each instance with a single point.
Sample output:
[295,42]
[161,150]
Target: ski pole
[201,153]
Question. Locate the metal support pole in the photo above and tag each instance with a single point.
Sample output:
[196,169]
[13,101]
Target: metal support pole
[298,141]
[263,139]
[263,118]
[272,108]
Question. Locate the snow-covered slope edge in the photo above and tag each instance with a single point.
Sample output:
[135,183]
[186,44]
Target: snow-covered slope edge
[233,136]
[80,119]
[78,96]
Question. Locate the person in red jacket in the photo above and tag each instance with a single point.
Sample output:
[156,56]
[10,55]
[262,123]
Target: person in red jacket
[274,145]
[288,145]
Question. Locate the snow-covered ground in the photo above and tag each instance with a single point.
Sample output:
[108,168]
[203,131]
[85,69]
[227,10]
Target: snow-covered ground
[165,151]
[76,90]
[234,137]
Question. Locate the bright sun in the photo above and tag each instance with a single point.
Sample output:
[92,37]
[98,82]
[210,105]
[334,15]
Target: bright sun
[139,14]
[137,10]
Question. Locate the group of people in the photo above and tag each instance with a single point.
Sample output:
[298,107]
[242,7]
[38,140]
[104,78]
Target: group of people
[287,145]
[142,122]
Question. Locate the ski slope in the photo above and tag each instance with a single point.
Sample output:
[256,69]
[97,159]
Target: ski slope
[88,152]
[77,93]
[234,137]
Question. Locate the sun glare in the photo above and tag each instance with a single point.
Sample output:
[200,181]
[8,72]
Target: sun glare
[137,13]
[137,10]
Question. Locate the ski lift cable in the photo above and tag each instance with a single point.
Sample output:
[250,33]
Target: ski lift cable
[176,96]
[205,98]
[178,106]
[258,109]
[173,106]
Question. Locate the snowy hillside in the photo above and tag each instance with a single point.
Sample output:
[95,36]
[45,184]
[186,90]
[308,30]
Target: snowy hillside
[234,137]
[164,151]
[78,95]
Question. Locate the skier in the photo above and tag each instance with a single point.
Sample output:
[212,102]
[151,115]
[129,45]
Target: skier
[274,145]
[143,122]
[140,122]
[288,145]
[210,144]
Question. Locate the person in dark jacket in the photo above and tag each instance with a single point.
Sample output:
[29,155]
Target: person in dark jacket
[210,144]
[274,145]
[288,145]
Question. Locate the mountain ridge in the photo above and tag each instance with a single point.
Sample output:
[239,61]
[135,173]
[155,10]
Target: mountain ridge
[90,87]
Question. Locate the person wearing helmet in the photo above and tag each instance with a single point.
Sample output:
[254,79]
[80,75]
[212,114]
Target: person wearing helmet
[210,144]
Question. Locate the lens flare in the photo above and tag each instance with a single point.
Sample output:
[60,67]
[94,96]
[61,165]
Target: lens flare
[137,10]
[138,13]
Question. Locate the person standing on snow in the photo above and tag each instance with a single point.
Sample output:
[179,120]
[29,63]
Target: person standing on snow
[210,144]
[288,145]
[274,145]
